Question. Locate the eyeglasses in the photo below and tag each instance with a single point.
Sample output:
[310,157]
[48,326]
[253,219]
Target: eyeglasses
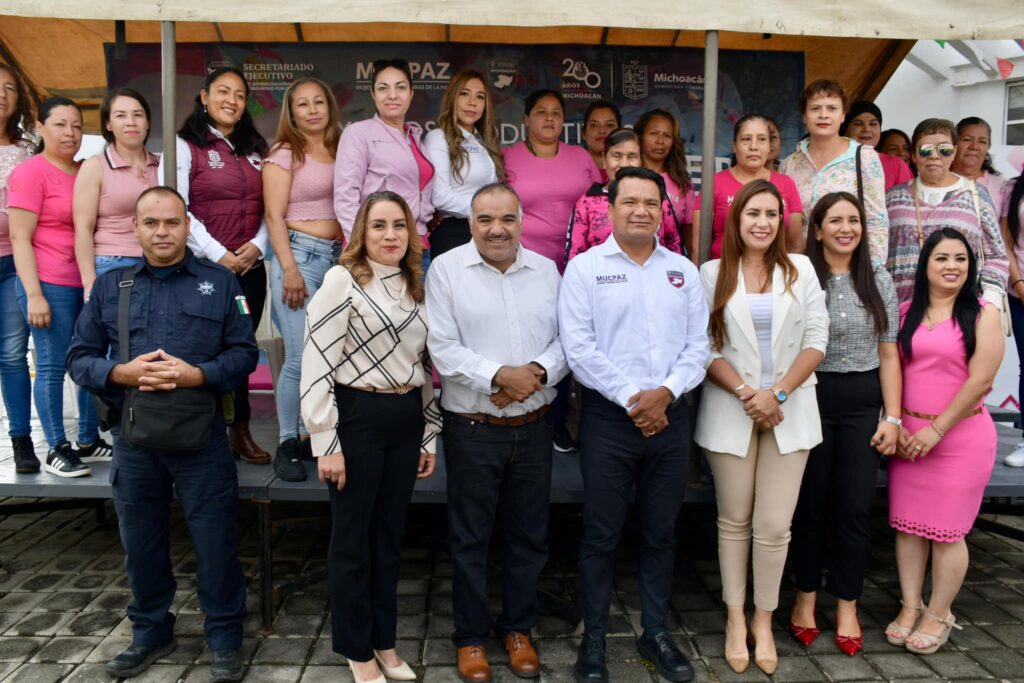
[945,149]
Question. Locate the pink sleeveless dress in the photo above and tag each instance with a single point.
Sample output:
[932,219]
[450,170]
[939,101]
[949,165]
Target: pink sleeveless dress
[938,496]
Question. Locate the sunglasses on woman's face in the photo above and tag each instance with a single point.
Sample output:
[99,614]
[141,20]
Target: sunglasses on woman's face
[945,149]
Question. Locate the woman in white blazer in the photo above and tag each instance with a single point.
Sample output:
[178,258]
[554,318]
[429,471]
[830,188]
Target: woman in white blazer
[758,415]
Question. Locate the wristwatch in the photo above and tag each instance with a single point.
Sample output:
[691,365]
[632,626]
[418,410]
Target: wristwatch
[892,420]
[780,395]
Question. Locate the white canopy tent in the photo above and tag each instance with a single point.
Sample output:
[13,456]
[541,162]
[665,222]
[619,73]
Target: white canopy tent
[865,19]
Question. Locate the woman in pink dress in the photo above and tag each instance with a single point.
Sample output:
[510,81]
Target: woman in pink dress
[951,343]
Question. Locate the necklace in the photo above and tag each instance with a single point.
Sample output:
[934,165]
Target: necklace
[928,321]
[529,146]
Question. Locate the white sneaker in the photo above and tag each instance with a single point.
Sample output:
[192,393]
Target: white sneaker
[1015,459]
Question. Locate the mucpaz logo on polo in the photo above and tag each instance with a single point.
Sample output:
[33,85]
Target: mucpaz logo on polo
[206,288]
[611,279]
[213,157]
[675,278]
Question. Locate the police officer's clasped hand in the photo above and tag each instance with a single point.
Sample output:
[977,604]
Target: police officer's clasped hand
[647,410]
[331,468]
[157,371]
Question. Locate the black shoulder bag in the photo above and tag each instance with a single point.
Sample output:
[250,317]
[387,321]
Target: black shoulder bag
[176,420]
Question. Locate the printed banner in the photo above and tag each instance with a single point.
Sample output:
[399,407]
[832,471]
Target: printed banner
[635,78]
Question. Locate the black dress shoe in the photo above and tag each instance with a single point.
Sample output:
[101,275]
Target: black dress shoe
[591,665]
[666,656]
[226,666]
[137,659]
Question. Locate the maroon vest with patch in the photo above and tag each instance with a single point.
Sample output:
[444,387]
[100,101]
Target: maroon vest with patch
[226,192]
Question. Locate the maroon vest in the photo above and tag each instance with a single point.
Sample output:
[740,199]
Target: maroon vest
[226,192]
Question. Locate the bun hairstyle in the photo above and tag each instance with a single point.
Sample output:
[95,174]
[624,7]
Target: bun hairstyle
[46,108]
[244,138]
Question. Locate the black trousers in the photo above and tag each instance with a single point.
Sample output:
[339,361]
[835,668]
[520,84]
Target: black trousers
[380,437]
[615,459]
[254,287]
[206,484]
[496,473]
[451,232]
[832,524]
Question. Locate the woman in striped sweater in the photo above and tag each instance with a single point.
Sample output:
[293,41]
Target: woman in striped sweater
[937,199]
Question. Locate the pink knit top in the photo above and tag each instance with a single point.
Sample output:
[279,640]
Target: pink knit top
[122,185]
[312,193]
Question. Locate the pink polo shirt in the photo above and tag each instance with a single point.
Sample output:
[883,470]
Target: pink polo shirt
[40,187]
[122,185]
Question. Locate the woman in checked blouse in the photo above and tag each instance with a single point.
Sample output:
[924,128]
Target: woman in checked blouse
[368,401]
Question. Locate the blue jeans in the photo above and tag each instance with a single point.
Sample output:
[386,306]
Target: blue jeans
[51,351]
[314,257]
[1017,322]
[14,380]
[105,264]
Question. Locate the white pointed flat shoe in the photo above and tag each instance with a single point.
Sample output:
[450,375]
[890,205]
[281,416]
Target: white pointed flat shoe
[402,672]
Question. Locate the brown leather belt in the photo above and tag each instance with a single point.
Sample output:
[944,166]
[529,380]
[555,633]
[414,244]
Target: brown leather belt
[511,421]
[923,416]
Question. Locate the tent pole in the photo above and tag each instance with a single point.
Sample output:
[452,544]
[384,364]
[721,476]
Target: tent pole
[707,159]
[168,68]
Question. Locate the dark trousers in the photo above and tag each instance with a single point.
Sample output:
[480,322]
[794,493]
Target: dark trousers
[1017,322]
[254,287]
[495,473]
[207,487]
[615,459]
[451,232]
[832,523]
[380,437]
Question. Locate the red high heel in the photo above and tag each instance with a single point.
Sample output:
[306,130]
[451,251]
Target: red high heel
[805,634]
[850,645]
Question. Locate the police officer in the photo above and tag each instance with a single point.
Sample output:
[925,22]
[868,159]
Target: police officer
[633,322]
[189,328]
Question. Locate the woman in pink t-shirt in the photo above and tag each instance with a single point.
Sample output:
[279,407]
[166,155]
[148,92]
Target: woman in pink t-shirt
[16,117]
[548,175]
[664,153]
[109,184]
[49,289]
[751,143]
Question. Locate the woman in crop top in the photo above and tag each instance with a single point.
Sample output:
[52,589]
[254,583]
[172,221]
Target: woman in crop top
[298,192]
[108,185]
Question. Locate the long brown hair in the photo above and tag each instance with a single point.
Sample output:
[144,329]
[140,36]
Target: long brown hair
[732,251]
[357,260]
[23,121]
[486,127]
[289,134]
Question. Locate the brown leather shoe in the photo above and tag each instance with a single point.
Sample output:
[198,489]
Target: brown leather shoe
[473,666]
[242,444]
[522,658]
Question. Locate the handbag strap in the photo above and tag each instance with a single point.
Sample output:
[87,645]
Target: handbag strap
[860,176]
[124,306]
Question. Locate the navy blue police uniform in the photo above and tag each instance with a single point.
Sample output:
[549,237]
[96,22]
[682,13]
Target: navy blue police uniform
[195,311]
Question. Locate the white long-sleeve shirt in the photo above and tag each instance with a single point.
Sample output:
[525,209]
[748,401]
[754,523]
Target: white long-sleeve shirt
[480,319]
[628,327]
[451,196]
[201,242]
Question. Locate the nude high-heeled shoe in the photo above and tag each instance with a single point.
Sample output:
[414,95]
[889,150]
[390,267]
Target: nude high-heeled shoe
[402,672]
[933,643]
[897,634]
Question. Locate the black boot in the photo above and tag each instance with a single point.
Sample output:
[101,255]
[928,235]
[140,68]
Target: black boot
[137,658]
[25,460]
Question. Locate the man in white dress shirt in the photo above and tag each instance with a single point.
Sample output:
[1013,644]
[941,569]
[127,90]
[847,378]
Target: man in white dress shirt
[633,323]
[493,337]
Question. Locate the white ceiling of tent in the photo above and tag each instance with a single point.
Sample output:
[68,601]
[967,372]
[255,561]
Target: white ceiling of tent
[939,19]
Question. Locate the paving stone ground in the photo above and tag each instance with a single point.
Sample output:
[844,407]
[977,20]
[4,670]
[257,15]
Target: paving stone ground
[63,593]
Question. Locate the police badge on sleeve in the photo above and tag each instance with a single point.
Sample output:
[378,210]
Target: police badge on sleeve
[675,278]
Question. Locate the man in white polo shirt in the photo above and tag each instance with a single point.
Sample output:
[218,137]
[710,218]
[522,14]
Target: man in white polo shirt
[633,323]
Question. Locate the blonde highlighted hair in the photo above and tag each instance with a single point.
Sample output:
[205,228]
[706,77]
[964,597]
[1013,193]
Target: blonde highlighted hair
[356,258]
[289,134]
[486,127]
